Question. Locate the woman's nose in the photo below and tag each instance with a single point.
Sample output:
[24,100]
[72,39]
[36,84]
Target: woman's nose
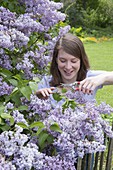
[68,65]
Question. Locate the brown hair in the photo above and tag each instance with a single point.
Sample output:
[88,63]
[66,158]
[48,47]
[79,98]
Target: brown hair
[72,45]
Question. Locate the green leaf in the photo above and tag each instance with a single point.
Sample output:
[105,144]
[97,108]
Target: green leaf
[4,127]
[64,90]
[72,104]
[13,82]
[15,90]
[39,131]
[2,121]
[37,124]
[18,77]
[42,138]
[65,104]
[11,121]
[23,125]
[2,108]
[55,127]
[23,108]
[15,96]
[26,91]
[33,86]
[7,98]
[6,116]
[57,97]
[5,73]
[50,139]
[36,79]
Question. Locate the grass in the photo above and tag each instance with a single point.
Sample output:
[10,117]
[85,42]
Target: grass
[101,58]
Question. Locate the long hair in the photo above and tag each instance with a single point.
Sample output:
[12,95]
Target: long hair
[72,45]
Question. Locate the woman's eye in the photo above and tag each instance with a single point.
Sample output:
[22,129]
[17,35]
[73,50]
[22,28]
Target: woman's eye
[74,61]
[62,61]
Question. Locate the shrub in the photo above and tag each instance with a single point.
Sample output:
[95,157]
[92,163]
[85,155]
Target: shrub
[90,18]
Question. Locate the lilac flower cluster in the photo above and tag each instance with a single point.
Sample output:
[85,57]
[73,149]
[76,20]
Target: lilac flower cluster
[39,107]
[21,156]
[79,136]
[87,135]
[19,117]
[55,163]
[46,11]
[12,144]
[5,89]
[5,61]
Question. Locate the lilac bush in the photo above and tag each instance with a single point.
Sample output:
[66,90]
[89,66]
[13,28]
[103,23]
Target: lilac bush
[34,134]
[50,137]
[26,38]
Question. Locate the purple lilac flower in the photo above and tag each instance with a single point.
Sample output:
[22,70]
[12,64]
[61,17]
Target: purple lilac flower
[39,106]
[104,108]
[5,61]
[55,163]
[10,140]
[8,106]
[26,156]
[6,17]
[5,40]
[12,145]
[64,30]
[18,38]
[27,25]
[37,9]
[5,89]
[3,28]
[6,165]
[26,66]
[19,117]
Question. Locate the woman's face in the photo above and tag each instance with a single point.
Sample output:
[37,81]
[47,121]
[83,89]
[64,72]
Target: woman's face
[68,66]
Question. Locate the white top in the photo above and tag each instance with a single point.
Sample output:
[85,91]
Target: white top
[44,83]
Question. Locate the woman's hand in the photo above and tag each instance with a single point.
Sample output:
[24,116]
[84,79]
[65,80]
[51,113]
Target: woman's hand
[44,93]
[89,84]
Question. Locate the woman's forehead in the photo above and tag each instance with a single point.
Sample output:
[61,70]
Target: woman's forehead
[63,54]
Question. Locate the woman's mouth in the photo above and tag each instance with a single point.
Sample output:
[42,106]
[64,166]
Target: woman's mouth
[68,73]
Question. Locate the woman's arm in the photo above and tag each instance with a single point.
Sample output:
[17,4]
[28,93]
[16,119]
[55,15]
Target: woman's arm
[90,83]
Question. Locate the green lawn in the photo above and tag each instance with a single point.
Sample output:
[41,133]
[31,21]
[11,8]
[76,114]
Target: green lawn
[101,58]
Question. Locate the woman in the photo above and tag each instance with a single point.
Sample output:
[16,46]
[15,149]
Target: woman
[70,64]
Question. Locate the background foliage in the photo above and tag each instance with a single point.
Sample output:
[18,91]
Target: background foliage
[92,16]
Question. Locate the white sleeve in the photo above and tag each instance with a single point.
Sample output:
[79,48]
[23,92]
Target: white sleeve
[92,73]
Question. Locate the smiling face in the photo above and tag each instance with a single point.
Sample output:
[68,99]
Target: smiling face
[68,66]
[69,61]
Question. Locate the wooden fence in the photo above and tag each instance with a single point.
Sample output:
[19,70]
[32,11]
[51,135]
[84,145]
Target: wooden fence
[102,160]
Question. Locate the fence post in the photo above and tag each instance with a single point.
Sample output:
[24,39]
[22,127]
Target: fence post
[79,163]
[102,154]
[96,161]
[83,167]
[110,153]
[89,161]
